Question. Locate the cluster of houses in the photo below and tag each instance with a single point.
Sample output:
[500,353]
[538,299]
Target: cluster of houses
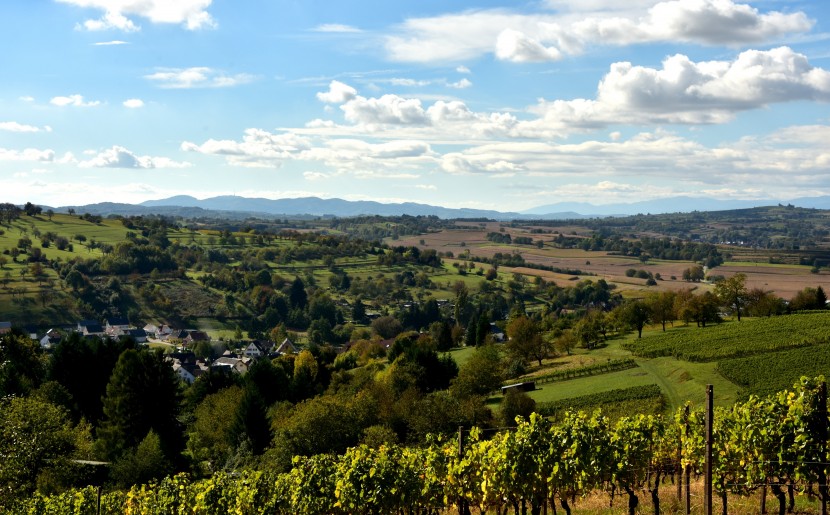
[184,362]
[188,367]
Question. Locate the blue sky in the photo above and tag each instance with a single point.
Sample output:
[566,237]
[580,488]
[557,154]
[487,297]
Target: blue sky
[496,105]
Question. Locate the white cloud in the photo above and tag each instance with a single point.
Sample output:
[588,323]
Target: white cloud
[430,187]
[73,101]
[408,82]
[20,127]
[462,69]
[111,43]
[196,77]
[337,28]
[258,148]
[688,92]
[462,84]
[120,157]
[133,103]
[109,21]
[192,14]
[512,45]
[388,109]
[28,154]
[338,93]
[26,98]
[545,36]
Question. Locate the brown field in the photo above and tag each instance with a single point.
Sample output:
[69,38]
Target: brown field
[784,280]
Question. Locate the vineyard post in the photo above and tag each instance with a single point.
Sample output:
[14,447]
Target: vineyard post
[822,471]
[707,486]
[688,468]
[462,504]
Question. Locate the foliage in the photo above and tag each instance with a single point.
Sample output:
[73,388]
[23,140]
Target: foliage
[771,440]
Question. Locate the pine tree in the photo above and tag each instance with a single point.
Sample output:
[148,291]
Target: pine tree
[142,395]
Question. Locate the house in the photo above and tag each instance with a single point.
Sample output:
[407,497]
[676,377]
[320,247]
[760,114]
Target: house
[238,365]
[138,335]
[51,339]
[254,350]
[114,326]
[183,373]
[5,327]
[90,328]
[151,330]
[286,347]
[195,336]
[187,366]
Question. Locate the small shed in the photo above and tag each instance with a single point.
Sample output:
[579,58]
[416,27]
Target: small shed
[527,386]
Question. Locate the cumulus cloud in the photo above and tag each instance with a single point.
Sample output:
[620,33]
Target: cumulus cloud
[192,14]
[115,42]
[196,77]
[73,101]
[462,69]
[512,45]
[546,36]
[133,103]
[688,92]
[338,93]
[258,148]
[21,127]
[462,84]
[110,20]
[120,157]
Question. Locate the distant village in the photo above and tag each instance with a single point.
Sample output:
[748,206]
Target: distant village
[184,362]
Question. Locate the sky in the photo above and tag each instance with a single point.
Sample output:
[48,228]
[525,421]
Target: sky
[478,104]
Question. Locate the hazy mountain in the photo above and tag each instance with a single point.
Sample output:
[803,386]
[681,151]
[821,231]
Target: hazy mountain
[323,207]
[681,204]
[229,206]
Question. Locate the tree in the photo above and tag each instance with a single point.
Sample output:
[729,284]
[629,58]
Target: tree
[21,364]
[142,395]
[251,426]
[662,307]
[209,441]
[566,341]
[481,374]
[142,464]
[526,341]
[297,297]
[693,274]
[84,366]
[591,328]
[36,439]
[386,327]
[732,292]
[763,303]
[516,404]
[636,315]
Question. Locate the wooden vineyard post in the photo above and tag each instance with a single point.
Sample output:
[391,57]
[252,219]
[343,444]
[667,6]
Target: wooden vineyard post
[688,468]
[707,468]
[822,470]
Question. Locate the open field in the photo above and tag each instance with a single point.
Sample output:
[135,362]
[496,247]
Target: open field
[783,279]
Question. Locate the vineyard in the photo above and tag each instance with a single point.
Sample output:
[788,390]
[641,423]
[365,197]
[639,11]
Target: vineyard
[777,442]
[730,340]
[612,365]
[771,372]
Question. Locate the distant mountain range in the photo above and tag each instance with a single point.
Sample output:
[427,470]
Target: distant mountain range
[236,207]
